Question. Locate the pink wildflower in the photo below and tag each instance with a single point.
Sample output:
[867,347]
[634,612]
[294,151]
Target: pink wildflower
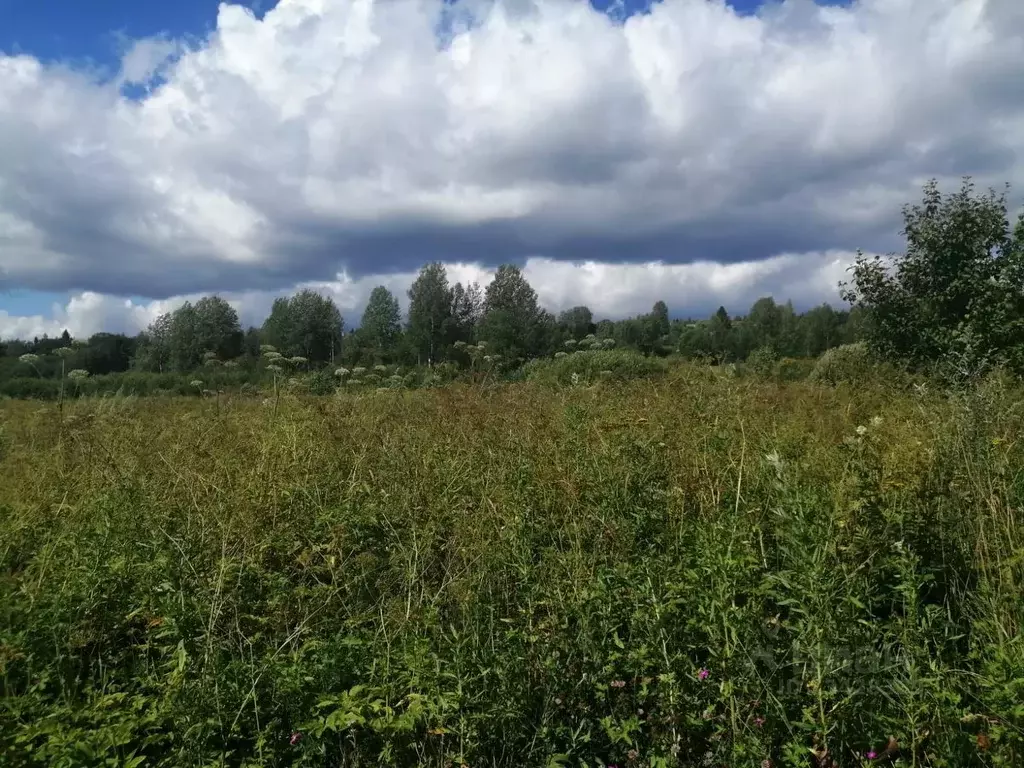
[871,755]
[295,739]
[758,721]
[704,673]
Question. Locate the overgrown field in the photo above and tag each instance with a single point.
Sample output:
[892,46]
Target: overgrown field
[689,570]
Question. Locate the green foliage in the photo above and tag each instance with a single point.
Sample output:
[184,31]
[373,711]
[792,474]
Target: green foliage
[467,310]
[512,321]
[794,369]
[430,313]
[955,297]
[181,339]
[30,387]
[577,321]
[323,382]
[307,325]
[382,322]
[724,339]
[762,361]
[594,365]
[680,571]
[849,363]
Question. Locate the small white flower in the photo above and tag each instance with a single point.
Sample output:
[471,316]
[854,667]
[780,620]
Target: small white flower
[876,421]
[862,430]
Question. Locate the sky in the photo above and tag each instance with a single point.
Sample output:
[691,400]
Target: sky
[693,151]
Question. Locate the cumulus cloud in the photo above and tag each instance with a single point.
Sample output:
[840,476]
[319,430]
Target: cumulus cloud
[610,290]
[367,137]
[147,59]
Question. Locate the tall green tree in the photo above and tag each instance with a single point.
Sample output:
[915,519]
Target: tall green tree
[154,346]
[821,329]
[381,324]
[186,351]
[720,340]
[217,328]
[511,320]
[956,293]
[108,353]
[654,329]
[209,325]
[695,341]
[307,324]
[467,309]
[764,323]
[577,322]
[430,313]
[659,319]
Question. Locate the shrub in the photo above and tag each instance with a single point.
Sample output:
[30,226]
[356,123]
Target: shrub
[588,365]
[794,369]
[851,363]
[323,382]
[31,388]
[762,360]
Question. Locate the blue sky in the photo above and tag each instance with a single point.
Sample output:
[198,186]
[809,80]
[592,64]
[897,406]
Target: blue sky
[94,31]
[704,156]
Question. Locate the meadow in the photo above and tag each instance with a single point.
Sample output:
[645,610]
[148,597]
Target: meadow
[690,569]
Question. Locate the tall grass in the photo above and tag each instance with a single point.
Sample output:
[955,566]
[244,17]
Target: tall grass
[694,570]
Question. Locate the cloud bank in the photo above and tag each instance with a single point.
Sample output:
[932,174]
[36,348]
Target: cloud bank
[364,138]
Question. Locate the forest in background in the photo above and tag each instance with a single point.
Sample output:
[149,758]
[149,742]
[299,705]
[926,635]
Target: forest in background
[952,303]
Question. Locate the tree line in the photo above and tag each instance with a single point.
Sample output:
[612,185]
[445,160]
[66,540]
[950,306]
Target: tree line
[445,323]
[955,297]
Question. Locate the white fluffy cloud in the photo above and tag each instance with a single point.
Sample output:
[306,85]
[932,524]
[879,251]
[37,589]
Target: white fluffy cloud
[366,137]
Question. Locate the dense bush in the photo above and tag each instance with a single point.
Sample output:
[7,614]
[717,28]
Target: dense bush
[793,369]
[592,365]
[849,363]
[762,361]
[31,388]
[323,382]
